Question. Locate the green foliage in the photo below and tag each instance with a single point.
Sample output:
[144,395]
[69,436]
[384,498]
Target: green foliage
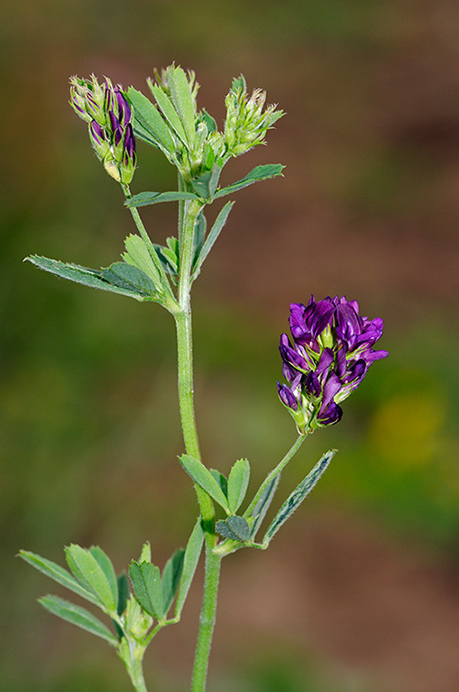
[185,105]
[118,278]
[264,172]
[138,255]
[107,568]
[171,577]
[78,616]
[59,575]
[86,567]
[167,108]
[299,494]
[143,199]
[146,582]
[148,123]
[190,562]
[234,527]
[263,504]
[211,238]
[238,481]
[204,478]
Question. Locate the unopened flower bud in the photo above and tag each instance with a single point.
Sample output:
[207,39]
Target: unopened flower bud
[246,122]
[108,114]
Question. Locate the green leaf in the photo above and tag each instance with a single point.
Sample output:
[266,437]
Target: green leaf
[87,570]
[183,101]
[221,480]
[209,121]
[239,84]
[212,237]
[168,110]
[236,528]
[138,255]
[129,278]
[262,506]
[145,198]
[146,582]
[58,574]
[83,275]
[199,234]
[78,616]
[203,477]
[107,568]
[238,481]
[206,184]
[149,124]
[190,562]
[298,495]
[145,553]
[123,597]
[169,258]
[171,576]
[269,170]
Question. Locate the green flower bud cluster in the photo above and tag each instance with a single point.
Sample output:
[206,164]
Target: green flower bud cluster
[246,122]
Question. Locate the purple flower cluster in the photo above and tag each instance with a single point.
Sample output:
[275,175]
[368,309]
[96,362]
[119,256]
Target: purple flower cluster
[328,357]
[108,114]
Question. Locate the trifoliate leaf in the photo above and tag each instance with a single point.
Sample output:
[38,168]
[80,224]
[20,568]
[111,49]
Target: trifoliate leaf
[234,527]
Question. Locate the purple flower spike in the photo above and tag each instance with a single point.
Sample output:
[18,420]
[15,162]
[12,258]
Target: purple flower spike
[328,357]
[108,113]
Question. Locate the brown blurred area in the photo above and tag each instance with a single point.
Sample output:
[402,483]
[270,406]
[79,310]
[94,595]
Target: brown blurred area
[359,593]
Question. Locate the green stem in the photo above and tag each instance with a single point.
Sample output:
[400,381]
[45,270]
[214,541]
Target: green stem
[185,382]
[185,359]
[135,668]
[206,621]
[275,472]
[190,436]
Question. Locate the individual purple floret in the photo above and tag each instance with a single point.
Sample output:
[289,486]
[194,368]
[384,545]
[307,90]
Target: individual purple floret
[328,357]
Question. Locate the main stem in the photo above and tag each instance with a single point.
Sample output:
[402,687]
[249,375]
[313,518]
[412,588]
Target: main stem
[190,437]
[136,670]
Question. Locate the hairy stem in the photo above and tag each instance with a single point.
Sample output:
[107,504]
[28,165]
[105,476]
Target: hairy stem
[134,666]
[206,621]
[275,472]
[190,436]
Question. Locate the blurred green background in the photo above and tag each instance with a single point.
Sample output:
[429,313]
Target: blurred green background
[360,592]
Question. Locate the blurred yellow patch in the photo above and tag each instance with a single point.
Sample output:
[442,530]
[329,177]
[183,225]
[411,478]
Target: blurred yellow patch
[406,429]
